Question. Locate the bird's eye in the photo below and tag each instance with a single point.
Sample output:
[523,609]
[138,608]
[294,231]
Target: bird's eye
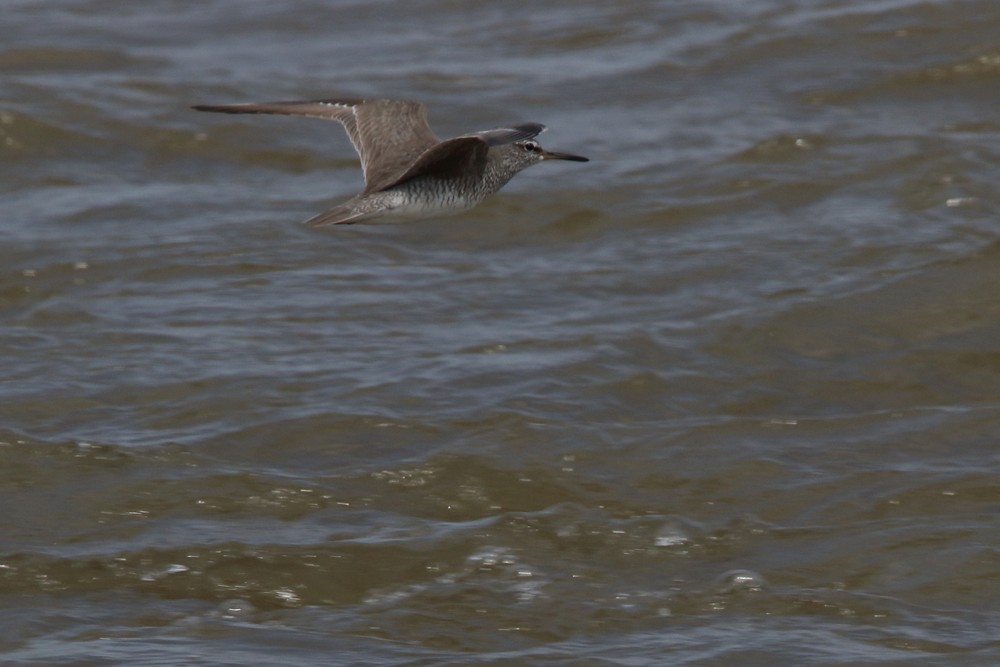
[530,146]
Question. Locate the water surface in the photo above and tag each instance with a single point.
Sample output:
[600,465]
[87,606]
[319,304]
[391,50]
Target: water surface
[727,394]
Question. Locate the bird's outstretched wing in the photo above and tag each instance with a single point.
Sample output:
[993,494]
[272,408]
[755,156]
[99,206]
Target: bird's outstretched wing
[389,135]
[463,156]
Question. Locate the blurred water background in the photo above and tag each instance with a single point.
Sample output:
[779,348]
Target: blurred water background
[729,394]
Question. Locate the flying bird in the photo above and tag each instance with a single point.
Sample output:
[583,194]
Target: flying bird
[409,172]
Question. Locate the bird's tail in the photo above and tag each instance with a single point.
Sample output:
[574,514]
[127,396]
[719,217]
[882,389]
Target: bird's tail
[345,214]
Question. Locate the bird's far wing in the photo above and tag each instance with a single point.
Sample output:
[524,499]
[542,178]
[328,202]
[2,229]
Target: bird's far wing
[508,135]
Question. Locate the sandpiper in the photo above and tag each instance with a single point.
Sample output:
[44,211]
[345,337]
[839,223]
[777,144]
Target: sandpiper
[409,172]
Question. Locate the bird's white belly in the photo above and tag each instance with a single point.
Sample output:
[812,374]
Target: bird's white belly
[402,207]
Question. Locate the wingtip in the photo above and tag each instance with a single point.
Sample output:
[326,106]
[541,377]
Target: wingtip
[223,108]
[208,107]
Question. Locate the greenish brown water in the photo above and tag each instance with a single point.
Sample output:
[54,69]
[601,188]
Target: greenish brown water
[728,394]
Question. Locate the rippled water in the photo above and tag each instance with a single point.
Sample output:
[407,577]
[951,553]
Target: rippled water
[727,394]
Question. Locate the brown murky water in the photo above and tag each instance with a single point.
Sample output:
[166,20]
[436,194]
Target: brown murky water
[727,394]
